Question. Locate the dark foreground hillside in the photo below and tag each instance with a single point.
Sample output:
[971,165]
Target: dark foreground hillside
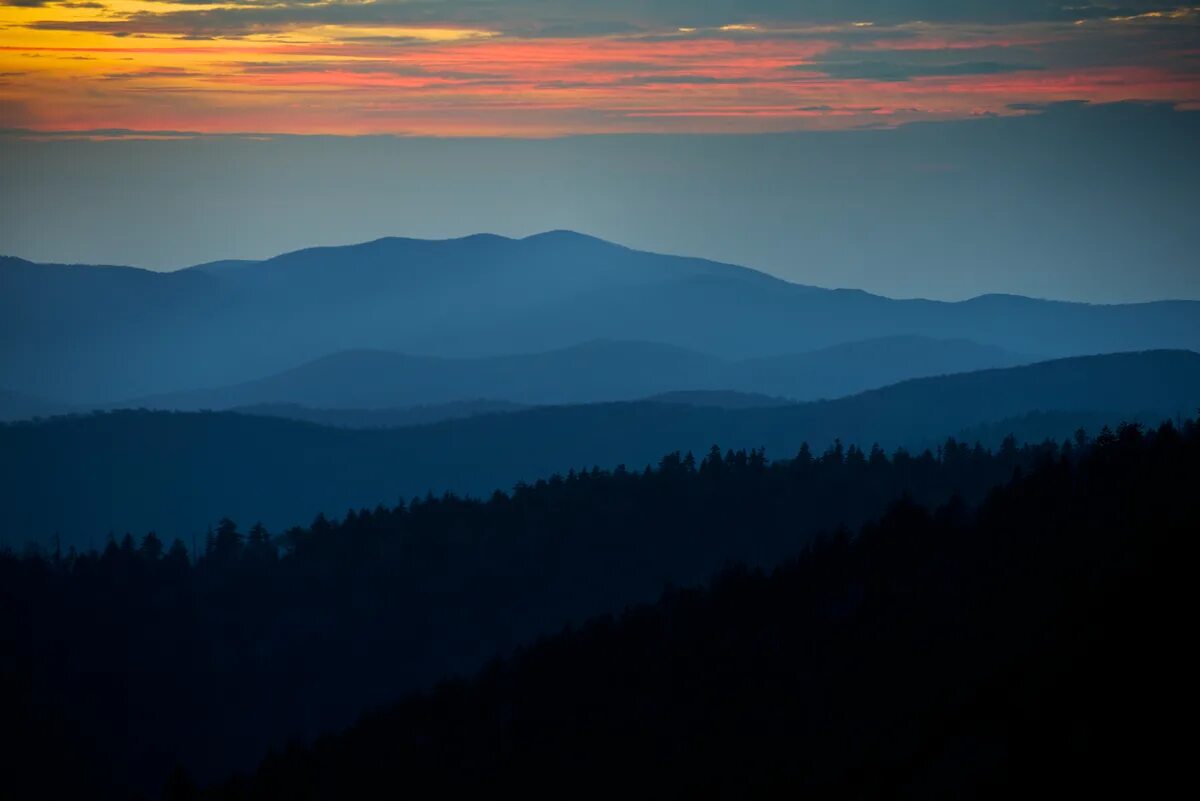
[136,659]
[1032,648]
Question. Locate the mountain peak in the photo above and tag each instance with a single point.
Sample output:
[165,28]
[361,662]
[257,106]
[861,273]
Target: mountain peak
[565,236]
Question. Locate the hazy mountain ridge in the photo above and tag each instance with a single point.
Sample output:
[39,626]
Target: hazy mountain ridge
[83,335]
[19,406]
[179,472]
[721,399]
[599,371]
[380,418]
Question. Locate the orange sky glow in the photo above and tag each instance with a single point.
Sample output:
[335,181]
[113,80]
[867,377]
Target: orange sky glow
[145,66]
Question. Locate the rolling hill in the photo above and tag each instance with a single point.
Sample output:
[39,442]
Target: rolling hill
[589,373]
[380,418]
[180,472]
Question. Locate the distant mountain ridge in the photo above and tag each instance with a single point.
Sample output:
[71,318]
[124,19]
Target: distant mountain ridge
[721,399]
[589,373]
[19,406]
[380,418]
[177,473]
[79,334]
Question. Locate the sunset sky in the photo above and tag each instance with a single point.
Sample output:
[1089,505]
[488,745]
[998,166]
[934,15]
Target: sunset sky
[933,148]
[533,68]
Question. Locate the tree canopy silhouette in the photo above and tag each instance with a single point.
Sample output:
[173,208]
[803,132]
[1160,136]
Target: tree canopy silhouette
[833,674]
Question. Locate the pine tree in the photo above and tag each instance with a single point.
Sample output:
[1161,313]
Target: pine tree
[152,547]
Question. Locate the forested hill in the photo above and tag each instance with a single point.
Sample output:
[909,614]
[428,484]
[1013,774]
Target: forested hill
[138,658]
[938,654]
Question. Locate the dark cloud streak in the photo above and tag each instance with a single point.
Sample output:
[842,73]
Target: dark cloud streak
[585,18]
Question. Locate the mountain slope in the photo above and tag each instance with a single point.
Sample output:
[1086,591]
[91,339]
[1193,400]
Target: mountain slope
[83,334]
[860,365]
[179,473]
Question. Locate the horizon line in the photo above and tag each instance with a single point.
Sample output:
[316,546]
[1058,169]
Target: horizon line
[610,243]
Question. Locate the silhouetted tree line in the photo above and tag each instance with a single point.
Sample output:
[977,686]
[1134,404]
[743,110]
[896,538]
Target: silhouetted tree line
[130,662]
[1035,647]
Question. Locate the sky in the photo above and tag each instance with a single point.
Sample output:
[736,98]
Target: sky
[556,67]
[934,148]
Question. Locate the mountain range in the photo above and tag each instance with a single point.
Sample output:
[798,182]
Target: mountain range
[592,372]
[84,334]
[180,472]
